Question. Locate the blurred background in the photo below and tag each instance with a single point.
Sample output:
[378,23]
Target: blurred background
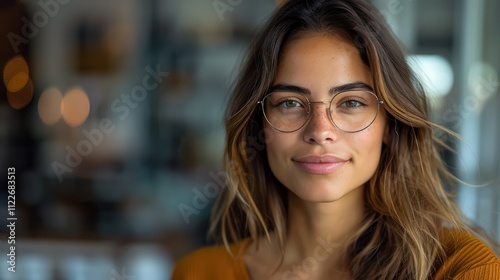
[111,116]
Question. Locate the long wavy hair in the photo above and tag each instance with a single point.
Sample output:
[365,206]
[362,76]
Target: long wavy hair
[406,199]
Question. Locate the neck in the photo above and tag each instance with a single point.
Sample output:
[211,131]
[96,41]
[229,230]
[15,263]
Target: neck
[323,230]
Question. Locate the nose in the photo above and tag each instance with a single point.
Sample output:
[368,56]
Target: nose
[319,129]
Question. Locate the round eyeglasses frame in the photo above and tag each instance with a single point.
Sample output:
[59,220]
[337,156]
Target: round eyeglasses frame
[379,102]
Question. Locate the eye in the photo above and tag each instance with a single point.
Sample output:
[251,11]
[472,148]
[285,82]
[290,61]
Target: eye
[290,103]
[351,104]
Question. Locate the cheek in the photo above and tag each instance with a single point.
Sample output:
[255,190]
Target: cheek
[274,142]
[268,135]
[278,147]
[369,141]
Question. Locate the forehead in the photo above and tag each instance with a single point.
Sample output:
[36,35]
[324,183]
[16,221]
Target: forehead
[337,38]
[318,59]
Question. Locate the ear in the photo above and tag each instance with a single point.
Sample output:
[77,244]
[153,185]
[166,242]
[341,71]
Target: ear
[387,132]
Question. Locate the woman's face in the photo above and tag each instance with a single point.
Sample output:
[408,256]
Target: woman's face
[319,162]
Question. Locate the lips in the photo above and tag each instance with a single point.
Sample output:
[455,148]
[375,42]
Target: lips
[320,164]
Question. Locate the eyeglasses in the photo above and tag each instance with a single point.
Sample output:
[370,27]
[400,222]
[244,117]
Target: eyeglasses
[350,111]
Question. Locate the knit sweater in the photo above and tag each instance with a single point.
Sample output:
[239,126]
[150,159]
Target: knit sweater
[467,258]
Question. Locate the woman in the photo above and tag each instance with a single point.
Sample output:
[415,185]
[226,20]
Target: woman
[347,183]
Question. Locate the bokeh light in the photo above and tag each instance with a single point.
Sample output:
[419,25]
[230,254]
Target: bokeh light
[16,74]
[435,73]
[483,80]
[75,107]
[49,105]
[22,97]
[18,82]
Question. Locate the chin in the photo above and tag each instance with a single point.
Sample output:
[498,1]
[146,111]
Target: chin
[321,194]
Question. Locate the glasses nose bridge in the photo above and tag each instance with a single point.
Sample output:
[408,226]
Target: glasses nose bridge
[320,102]
[327,103]
[310,112]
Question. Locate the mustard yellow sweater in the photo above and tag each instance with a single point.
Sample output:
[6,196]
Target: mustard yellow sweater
[467,259]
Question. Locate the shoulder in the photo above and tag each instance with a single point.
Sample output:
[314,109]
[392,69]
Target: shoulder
[467,257]
[212,262]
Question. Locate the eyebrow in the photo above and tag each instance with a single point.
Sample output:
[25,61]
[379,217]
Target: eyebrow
[331,91]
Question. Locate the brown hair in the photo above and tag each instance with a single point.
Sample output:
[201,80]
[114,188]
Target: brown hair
[407,204]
